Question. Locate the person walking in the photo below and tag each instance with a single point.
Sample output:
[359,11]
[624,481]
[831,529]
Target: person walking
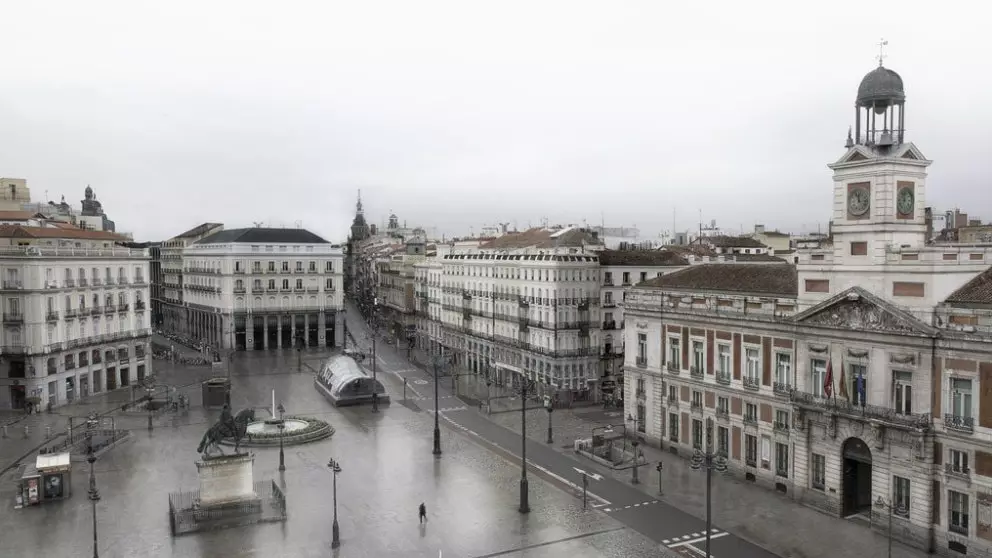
[423,512]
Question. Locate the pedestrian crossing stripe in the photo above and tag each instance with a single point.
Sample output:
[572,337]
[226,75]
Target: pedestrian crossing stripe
[702,534]
[449,409]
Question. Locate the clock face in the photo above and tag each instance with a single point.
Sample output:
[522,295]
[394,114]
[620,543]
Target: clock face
[858,201]
[905,202]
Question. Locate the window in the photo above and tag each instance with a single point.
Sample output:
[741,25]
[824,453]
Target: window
[239,285]
[256,267]
[958,461]
[723,352]
[723,441]
[642,348]
[644,276]
[697,399]
[902,392]
[299,283]
[859,384]
[607,298]
[312,266]
[781,419]
[961,399]
[900,489]
[272,266]
[608,278]
[673,427]
[674,354]
[783,370]
[329,284]
[818,376]
[750,412]
[722,405]
[698,356]
[626,277]
[958,504]
[766,450]
[752,366]
[257,284]
[272,283]
[329,268]
[299,266]
[673,393]
[237,266]
[782,460]
[819,472]
[697,434]
[750,450]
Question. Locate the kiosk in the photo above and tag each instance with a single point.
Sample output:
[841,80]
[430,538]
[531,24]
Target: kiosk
[48,478]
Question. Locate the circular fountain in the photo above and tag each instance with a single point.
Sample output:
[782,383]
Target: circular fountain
[296,430]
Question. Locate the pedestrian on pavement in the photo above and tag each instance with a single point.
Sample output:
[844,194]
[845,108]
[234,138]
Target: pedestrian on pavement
[423,513]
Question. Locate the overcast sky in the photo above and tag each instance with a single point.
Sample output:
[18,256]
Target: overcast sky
[458,114]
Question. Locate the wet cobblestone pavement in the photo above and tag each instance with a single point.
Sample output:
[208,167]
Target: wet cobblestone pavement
[388,469]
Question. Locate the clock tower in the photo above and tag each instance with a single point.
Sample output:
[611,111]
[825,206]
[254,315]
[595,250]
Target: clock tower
[880,182]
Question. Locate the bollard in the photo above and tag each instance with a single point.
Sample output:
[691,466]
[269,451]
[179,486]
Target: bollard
[4,428]
[48,432]
[404,389]
[27,431]
[659,468]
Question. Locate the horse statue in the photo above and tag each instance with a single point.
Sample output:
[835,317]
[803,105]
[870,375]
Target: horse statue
[227,427]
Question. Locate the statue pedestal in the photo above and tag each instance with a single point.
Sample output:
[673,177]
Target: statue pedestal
[226,480]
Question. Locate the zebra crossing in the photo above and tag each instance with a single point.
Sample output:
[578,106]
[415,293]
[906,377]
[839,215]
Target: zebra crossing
[449,409]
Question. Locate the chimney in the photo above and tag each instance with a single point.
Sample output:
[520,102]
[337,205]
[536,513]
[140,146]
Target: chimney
[759,229]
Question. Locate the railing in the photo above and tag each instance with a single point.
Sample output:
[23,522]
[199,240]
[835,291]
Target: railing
[123,281]
[12,285]
[139,282]
[780,427]
[673,401]
[723,378]
[753,384]
[82,282]
[13,317]
[722,413]
[751,420]
[959,423]
[239,272]
[609,303]
[640,394]
[847,408]
[239,290]
[782,388]
[751,461]
[96,282]
[673,368]
[70,365]
[696,407]
[83,361]
[109,309]
[64,252]
[610,325]
[96,310]
[123,307]
[696,372]
[960,471]
[70,282]
[51,316]
[642,362]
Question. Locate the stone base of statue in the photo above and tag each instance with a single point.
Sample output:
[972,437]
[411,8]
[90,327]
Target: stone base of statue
[229,496]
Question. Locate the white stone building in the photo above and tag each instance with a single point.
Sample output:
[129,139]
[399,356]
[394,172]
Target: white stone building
[262,288]
[857,380]
[75,315]
[174,316]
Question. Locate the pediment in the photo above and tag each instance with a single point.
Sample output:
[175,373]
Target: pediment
[855,154]
[858,310]
[911,152]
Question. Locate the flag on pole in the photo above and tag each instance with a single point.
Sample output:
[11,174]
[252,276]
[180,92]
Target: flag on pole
[828,380]
[843,385]
[860,387]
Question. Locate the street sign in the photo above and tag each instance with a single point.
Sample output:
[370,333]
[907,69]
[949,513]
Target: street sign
[593,476]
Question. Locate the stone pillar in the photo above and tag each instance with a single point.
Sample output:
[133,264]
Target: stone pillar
[292,330]
[249,332]
[321,331]
[338,329]
[306,329]
[265,332]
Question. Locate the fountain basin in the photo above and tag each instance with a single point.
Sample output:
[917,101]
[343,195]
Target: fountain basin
[298,430]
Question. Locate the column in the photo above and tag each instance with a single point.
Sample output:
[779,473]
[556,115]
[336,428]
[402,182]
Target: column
[249,332]
[292,326]
[321,329]
[306,329]
[265,332]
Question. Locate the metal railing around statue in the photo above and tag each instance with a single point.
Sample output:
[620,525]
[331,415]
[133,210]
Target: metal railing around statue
[186,517]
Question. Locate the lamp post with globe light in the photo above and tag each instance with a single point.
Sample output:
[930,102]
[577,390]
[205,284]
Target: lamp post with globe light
[282,429]
[709,461]
[335,532]
[94,494]
[893,508]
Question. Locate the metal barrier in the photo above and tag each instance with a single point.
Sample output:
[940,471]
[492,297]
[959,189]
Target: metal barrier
[186,515]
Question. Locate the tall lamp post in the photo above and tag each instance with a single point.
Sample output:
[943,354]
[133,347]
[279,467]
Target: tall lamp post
[549,406]
[892,507]
[282,428]
[375,332]
[150,389]
[635,442]
[335,533]
[709,461]
[438,362]
[526,384]
[94,494]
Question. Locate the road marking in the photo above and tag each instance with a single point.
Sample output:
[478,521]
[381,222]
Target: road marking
[421,382]
[593,476]
[698,539]
[450,410]
[618,508]
[559,478]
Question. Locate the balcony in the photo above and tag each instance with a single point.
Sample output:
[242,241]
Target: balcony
[640,394]
[696,372]
[13,317]
[673,368]
[696,407]
[12,285]
[723,378]
[96,310]
[750,461]
[109,309]
[51,316]
[957,471]
[239,290]
[886,414]
[139,306]
[122,308]
[642,362]
[71,313]
[782,388]
[285,271]
[953,422]
[96,282]
[82,282]
[123,281]
[753,384]
[781,427]
[69,282]
[751,420]
[609,303]
[673,401]
[238,271]
[609,325]
[722,414]
[313,270]
[139,282]
[70,365]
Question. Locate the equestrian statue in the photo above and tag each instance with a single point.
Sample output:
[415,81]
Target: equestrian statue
[227,428]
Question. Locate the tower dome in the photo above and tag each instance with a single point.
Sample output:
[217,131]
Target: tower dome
[880,88]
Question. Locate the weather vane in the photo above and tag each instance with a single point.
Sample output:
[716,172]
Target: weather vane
[882,43]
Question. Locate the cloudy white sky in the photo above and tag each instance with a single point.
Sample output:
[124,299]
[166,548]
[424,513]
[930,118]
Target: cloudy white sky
[456,114]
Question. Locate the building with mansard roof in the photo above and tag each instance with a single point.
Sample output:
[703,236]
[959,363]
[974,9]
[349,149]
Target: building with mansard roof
[857,377]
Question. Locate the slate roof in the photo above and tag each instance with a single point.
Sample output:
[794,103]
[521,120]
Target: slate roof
[641,258]
[199,230]
[976,291]
[19,231]
[538,237]
[733,242]
[756,258]
[769,279]
[264,235]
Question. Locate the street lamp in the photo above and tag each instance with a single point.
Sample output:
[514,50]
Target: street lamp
[282,428]
[150,389]
[335,533]
[94,494]
[526,384]
[709,461]
[892,508]
[635,442]
[549,406]
[438,362]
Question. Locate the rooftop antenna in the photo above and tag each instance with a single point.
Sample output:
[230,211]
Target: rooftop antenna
[299,224]
[258,224]
[882,43]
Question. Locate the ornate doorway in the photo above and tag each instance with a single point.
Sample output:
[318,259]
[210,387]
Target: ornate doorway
[856,477]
